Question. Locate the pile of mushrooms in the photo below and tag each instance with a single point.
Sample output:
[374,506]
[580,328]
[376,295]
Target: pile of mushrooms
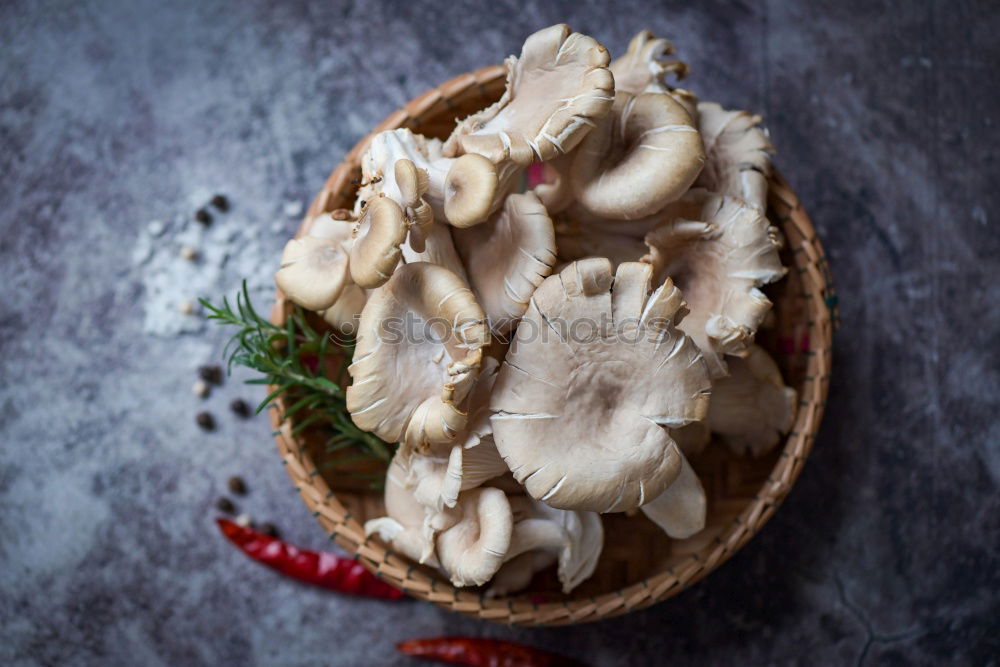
[557,310]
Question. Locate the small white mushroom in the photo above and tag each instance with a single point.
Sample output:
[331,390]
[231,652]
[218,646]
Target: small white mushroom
[594,379]
[738,154]
[417,356]
[719,251]
[643,155]
[507,258]
[752,408]
[345,313]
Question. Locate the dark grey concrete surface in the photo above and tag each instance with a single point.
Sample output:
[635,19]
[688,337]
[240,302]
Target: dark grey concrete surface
[115,114]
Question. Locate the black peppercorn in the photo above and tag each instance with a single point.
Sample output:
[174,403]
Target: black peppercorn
[269,530]
[205,420]
[211,374]
[203,216]
[237,485]
[220,202]
[240,408]
[225,505]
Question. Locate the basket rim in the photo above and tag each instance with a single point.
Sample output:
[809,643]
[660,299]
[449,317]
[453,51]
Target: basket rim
[808,259]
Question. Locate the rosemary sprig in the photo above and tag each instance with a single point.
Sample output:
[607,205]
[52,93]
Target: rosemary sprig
[293,360]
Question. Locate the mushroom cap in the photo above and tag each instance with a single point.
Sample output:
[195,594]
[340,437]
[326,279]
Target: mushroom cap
[417,356]
[555,91]
[313,271]
[643,68]
[515,574]
[680,510]
[738,154]
[596,375]
[508,257]
[378,235]
[643,155]
[473,548]
[470,186]
[719,251]
[752,408]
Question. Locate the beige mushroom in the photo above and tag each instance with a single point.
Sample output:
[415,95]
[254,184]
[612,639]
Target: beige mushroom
[578,240]
[644,68]
[439,475]
[508,257]
[693,438]
[345,313]
[405,526]
[682,508]
[555,92]
[313,272]
[643,155]
[410,169]
[738,154]
[752,408]
[555,191]
[595,377]
[378,236]
[472,549]
[719,251]
[577,538]
[515,575]
[417,356]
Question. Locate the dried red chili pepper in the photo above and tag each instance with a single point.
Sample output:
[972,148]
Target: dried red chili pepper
[318,568]
[475,652]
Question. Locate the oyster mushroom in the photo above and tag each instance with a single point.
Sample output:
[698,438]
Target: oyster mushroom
[719,251]
[556,90]
[405,526]
[738,154]
[643,155]
[438,478]
[410,169]
[508,257]
[473,547]
[418,352]
[378,236]
[680,510]
[752,408]
[344,313]
[576,538]
[644,68]
[597,373]
[313,271]
[555,191]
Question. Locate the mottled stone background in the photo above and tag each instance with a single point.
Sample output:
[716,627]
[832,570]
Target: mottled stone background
[115,114]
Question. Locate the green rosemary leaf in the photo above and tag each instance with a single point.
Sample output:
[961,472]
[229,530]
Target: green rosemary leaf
[293,360]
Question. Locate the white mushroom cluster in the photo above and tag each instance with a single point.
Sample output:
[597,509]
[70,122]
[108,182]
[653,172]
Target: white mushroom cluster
[556,309]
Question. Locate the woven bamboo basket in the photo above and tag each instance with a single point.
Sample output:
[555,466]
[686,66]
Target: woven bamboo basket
[639,565]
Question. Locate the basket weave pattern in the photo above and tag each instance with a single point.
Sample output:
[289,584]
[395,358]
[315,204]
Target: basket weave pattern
[639,565]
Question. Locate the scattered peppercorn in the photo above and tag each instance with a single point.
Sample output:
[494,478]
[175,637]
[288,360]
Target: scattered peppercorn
[203,216]
[244,521]
[220,202]
[189,253]
[185,308]
[225,505]
[240,407]
[270,530]
[200,388]
[237,485]
[205,420]
[211,374]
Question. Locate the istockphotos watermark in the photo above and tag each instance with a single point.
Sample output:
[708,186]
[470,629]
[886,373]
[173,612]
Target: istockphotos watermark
[411,329]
